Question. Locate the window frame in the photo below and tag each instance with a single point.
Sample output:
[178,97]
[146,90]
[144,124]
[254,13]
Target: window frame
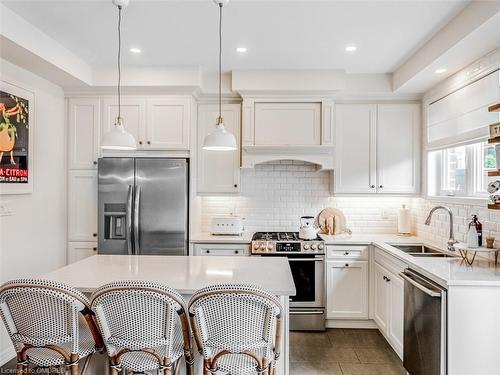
[474,173]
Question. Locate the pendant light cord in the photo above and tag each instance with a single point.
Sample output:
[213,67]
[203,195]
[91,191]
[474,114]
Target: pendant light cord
[119,64]
[219,121]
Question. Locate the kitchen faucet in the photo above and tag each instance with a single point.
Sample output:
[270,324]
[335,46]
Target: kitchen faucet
[451,240]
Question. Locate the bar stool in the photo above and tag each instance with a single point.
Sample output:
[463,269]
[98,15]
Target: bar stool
[237,328]
[49,323]
[144,326]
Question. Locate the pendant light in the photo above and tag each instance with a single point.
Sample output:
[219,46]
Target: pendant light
[118,138]
[220,139]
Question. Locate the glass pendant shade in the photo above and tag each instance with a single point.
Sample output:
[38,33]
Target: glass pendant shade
[118,138]
[220,140]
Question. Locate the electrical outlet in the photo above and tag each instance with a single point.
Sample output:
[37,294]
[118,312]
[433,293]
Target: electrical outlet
[4,210]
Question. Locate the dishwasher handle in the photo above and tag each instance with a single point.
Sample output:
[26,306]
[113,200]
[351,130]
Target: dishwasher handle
[417,285]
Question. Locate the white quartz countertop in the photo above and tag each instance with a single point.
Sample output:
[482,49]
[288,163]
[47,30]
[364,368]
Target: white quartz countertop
[445,271]
[205,237]
[186,274]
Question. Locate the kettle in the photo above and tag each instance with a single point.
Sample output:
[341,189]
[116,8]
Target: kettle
[307,230]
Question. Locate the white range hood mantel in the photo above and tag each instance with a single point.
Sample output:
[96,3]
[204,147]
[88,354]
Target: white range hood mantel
[322,156]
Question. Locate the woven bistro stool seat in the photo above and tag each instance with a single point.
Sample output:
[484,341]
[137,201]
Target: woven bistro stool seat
[144,326]
[49,323]
[237,328]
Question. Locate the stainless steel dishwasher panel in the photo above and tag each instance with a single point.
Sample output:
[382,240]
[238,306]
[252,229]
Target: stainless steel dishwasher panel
[425,326]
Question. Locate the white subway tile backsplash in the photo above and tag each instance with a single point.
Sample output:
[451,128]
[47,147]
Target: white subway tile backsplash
[275,195]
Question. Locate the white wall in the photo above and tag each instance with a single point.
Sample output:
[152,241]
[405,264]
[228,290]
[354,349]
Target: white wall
[33,239]
[275,195]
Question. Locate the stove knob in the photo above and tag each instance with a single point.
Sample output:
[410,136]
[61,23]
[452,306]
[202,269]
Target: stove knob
[269,246]
[321,246]
[306,246]
[263,246]
[255,246]
[313,246]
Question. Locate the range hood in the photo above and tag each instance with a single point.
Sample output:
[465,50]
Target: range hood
[322,156]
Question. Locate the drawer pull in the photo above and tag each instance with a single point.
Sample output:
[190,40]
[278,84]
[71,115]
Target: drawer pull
[347,264]
[346,253]
[208,251]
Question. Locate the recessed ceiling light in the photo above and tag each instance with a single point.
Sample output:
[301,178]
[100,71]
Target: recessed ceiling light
[351,48]
[440,71]
[241,49]
[135,50]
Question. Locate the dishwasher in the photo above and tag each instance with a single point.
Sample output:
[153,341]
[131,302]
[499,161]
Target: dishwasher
[425,322]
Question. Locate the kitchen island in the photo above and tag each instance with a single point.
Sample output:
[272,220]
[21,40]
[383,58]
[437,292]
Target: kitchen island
[186,275]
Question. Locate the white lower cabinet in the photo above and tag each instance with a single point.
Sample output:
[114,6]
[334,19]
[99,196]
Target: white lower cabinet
[347,289]
[389,306]
[80,250]
[210,249]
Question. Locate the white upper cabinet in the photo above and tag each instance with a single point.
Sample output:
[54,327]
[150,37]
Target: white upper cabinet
[159,123]
[218,172]
[398,146]
[284,124]
[168,123]
[377,148]
[355,126]
[133,113]
[83,133]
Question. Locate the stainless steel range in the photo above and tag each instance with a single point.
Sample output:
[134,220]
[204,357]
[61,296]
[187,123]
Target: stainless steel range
[306,258]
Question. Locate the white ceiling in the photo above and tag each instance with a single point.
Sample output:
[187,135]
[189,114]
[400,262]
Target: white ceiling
[278,34]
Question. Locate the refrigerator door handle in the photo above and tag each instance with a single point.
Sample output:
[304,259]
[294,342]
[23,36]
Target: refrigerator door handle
[128,214]
[137,199]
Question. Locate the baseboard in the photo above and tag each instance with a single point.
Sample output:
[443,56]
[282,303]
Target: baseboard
[346,323]
[6,355]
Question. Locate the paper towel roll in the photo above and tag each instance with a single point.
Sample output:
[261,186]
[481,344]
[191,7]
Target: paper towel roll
[404,220]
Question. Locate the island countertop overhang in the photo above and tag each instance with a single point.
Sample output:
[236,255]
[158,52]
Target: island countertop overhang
[186,274]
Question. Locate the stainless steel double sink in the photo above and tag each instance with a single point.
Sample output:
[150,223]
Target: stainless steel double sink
[423,251]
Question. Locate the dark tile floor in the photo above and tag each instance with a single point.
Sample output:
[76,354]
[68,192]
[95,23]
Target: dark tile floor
[335,352]
[343,352]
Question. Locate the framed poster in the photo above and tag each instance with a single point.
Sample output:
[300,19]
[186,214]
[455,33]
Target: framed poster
[16,139]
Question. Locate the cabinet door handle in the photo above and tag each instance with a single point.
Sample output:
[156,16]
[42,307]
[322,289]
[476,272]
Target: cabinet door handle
[385,278]
[94,248]
[140,142]
[372,186]
[388,280]
[95,162]
[235,185]
[381,186]
[94,234]
[347,264]
[236,252]
[149,142]
[208,251]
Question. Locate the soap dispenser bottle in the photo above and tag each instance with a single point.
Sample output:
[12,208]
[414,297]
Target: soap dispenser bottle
[472,237]
[479,230]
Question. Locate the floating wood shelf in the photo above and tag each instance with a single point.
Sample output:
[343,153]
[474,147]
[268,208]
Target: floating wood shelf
[493,173]
[494,140]
[494,108]
[492,206]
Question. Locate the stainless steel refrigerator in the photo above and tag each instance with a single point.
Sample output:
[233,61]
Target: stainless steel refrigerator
[143,206]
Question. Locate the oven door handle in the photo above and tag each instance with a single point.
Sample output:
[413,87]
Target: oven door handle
[417,285]
[306,259]
[310,312]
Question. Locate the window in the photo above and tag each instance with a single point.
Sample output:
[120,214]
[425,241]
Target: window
[460,171]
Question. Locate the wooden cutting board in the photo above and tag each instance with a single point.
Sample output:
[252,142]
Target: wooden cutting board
[332,221]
